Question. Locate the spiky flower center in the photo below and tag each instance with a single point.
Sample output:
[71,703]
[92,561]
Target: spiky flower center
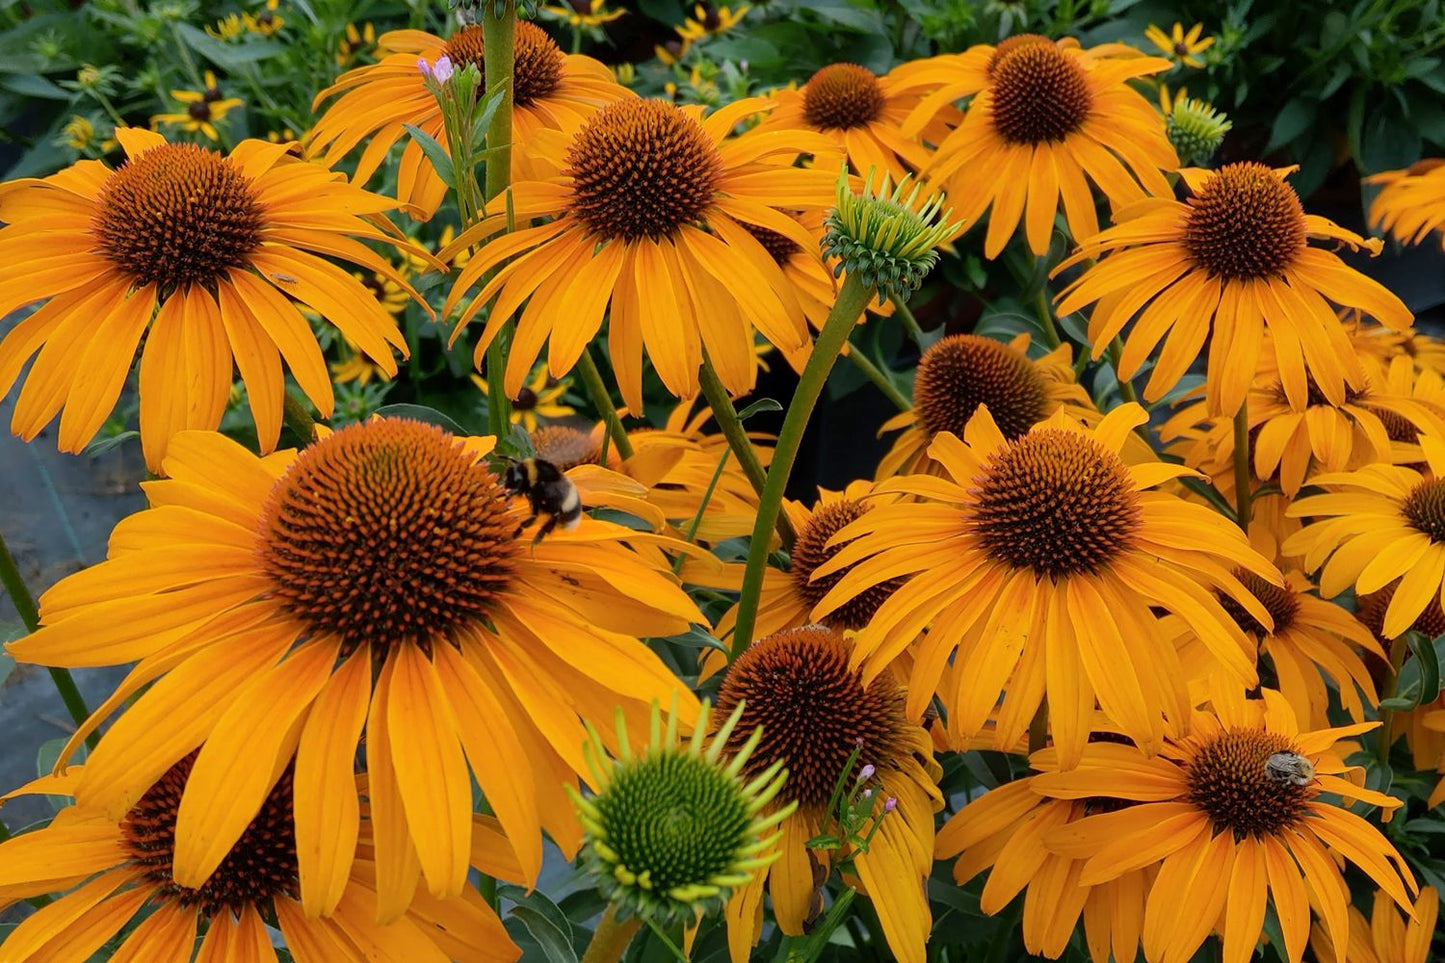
[537,62]
[810,551]
[1245,223]
[1424,508]
[177,215]
[1007,46]
[674,821]
[1040,94]
[1370,610]
[1315,396]
[1281,602]
[1229,782]
[779,247]
[841,96]
[814,711]
[1057,502]
[262,865]
[641,168]
[388,532]
[567,447]
[962,371]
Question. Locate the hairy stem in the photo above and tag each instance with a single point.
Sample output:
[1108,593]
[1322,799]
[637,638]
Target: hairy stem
[611,938]
[498,38]
[880,379]
[602,401]
[1243,492]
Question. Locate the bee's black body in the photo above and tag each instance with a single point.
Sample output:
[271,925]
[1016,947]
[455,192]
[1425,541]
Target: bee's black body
[548,491]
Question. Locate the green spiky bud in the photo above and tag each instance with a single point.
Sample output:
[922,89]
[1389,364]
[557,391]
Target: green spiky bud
[672,829]
[888,239]
[1196,130]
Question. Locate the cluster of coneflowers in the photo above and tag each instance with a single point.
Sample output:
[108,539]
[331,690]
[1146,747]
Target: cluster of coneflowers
[337,649]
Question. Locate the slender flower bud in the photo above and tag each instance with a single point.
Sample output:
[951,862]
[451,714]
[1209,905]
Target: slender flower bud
[1196,130]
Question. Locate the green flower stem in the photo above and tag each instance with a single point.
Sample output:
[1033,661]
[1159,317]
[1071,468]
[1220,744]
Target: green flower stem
[910,323]
[879,377]
[1046,317]
[1385,737]
[498,36]
[853,297]
[737,437]
[1243,493]
[30,616]
[1126,387]
[611,937]
[597,391]
[297,416]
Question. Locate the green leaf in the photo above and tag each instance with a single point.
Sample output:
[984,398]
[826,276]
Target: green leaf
[229,56]
[759,406]
[34,85]
[487,110]
[436,153]
[1294,119]
[555,944]
[1428,652]
[424,414]
[102,445]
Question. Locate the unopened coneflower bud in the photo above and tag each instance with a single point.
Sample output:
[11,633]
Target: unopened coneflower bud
[1196,130]
[887,239]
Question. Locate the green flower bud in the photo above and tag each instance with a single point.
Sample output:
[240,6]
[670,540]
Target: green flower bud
[1196,130]
[672,829]
[886,239]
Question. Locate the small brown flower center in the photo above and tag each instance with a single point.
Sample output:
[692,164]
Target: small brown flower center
[1040,94]
[641,168]
[778,246]
[841,96]
[566,447]
[261,866]
[177,215]
[1424,508]
[809,552]
[1246,223]
[1370,610]
[1057,502]
[388,531]
[1007,46]
[1315,396]
[1229,782]
[962,371]
[1397,426]
[1281,603]
[538,63]
[814,711]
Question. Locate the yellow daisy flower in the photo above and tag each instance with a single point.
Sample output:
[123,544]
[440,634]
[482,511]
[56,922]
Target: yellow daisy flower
[636,185]
[551,89]
[1232,259]
[958,373]
[267,22]
[1038,560]
[1046,119]
[1235,819]
[355,42]
[595,15]
[858,733]
[203,109]
[123,868]
[1384,343]
[1181,47]
[379,578]
[540,398]
[1386,937]
[1374,525]
[225,246]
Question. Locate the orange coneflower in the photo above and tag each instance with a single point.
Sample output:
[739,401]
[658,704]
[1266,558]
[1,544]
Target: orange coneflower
[1385,937]
[1038,560]
[1046,119]
[649,207]
[550,89]
[223,245]
[119,870]
[1411,205]
[1231,260]
[1235,817]
[380,578]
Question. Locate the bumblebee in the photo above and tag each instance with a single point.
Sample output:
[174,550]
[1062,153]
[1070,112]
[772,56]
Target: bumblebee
[1290,767]
[548,491]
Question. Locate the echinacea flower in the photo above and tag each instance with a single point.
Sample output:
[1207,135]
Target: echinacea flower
[1003,831]
[1231,261]
[1375,525]
[1386,937]
[1180,46]
[1411,204]
[224,246]
[550,89]
[1236,817]
[649,206]
[381,578]
[674,827]
[817,716]
[1038,559]
[958,373]
[121,869]
[1045,121]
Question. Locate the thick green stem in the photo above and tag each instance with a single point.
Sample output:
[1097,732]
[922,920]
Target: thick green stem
[1126,387]
[880,378]
[910,323]
[498,38]
[297,416]
[602,400]
[1046,317]
[852,299]
[1243,490]
[610,939]
[1385,736]
[30,616]
[737,437]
